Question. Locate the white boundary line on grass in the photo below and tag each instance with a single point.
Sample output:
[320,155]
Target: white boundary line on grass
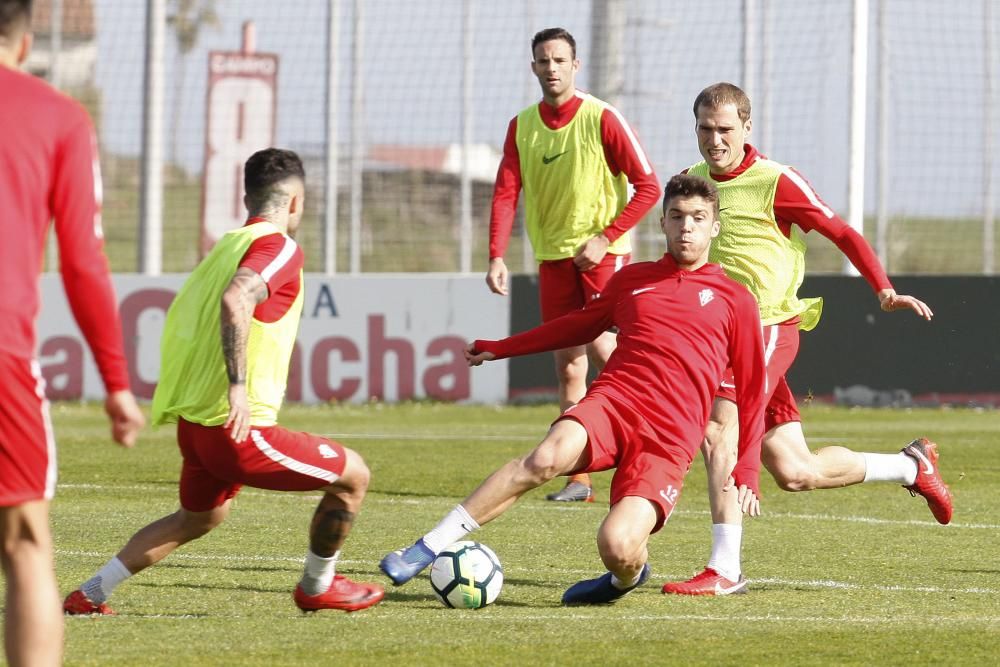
[471,436]
[379,498]
[840,585]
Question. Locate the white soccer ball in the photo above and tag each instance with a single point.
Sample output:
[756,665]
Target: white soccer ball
[466,575]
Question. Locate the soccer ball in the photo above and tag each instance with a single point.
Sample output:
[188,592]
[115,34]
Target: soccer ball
[466,575]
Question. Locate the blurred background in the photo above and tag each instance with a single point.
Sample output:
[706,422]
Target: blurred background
[399,110]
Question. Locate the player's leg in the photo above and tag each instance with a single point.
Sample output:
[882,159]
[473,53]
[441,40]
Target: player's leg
[561,290]
[785,453]
[561,451]
[621,542]
[33,625]
[723,574]
[148,546]
[205,501]
[320,586]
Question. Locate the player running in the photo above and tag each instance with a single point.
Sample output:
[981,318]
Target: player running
[226,346]
[766,207]
[681,322]
[574,155]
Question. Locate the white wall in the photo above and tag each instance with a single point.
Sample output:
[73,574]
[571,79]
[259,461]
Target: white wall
[390,337]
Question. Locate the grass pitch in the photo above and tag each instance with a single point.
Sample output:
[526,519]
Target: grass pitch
[849,577]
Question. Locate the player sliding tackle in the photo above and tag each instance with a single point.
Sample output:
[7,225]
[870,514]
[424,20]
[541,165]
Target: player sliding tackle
[681,322]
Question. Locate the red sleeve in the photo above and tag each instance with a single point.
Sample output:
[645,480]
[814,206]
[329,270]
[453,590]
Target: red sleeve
[505,193]
[795,202]
[746,355]
[578,327]
[86,275]
[624,154]
[275,258]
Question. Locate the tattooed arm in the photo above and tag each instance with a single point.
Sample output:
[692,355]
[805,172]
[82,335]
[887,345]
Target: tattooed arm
[245,291]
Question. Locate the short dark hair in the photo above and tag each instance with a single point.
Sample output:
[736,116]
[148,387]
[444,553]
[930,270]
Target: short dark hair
[689,185]
[548,35]
[15,17]
[264,170]
[718,95]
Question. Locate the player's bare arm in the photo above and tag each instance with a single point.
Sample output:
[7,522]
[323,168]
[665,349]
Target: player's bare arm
[890,301]
[591,253]
[245,291]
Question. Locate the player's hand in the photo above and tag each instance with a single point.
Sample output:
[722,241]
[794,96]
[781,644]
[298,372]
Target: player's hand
[126,417]
[238,420]
[891,301]
[497,276]
[474,358]
[591,253]
[745,497]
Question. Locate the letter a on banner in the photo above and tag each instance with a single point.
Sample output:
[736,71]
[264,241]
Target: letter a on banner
[242,104]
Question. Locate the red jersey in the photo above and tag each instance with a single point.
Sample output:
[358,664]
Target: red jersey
[279,260]
[49,170]
[622,151]
[796,203]
[677,332]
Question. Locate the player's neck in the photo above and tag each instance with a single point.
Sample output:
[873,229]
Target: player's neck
[556,102]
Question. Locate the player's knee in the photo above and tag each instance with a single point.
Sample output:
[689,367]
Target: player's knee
[356,476]
[620,550]
[716,446]
[794,478]
[539,467]
[572,371]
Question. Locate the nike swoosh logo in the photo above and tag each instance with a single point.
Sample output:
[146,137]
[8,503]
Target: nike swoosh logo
[727,385]
[719,590]
[641,290]
[928,466]
[546,159]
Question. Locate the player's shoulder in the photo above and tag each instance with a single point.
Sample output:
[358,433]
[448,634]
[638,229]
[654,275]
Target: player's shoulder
[38,97]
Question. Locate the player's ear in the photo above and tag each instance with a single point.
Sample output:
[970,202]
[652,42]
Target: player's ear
[716,227]
[748,125]
[24,48]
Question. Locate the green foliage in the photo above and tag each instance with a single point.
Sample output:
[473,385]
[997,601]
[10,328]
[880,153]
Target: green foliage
[853,577]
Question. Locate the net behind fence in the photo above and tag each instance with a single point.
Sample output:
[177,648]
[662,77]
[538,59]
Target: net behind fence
[407,60]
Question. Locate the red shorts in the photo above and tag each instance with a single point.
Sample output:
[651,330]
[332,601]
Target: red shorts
[215,468]
[781,344]
[562,288]
[27,448]
[646,464]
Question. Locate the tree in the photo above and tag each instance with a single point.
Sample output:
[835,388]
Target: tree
[187,18]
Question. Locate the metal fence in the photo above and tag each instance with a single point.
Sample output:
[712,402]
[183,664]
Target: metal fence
[400,108]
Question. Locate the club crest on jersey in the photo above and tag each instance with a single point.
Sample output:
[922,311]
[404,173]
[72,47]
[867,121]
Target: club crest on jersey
[705,296]
[326,451]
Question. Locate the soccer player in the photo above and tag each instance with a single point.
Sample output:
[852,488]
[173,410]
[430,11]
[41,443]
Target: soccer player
[48,170]
[573,155]
[766,207]
[226,347]
[680,322]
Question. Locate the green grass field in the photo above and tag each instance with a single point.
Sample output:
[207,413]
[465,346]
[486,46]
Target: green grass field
[853,577]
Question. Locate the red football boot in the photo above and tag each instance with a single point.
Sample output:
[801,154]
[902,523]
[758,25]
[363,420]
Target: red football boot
[343,594]
[928,482]
[78,604]
[708,582]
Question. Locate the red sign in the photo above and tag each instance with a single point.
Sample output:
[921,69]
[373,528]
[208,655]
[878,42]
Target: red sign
[242,110]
